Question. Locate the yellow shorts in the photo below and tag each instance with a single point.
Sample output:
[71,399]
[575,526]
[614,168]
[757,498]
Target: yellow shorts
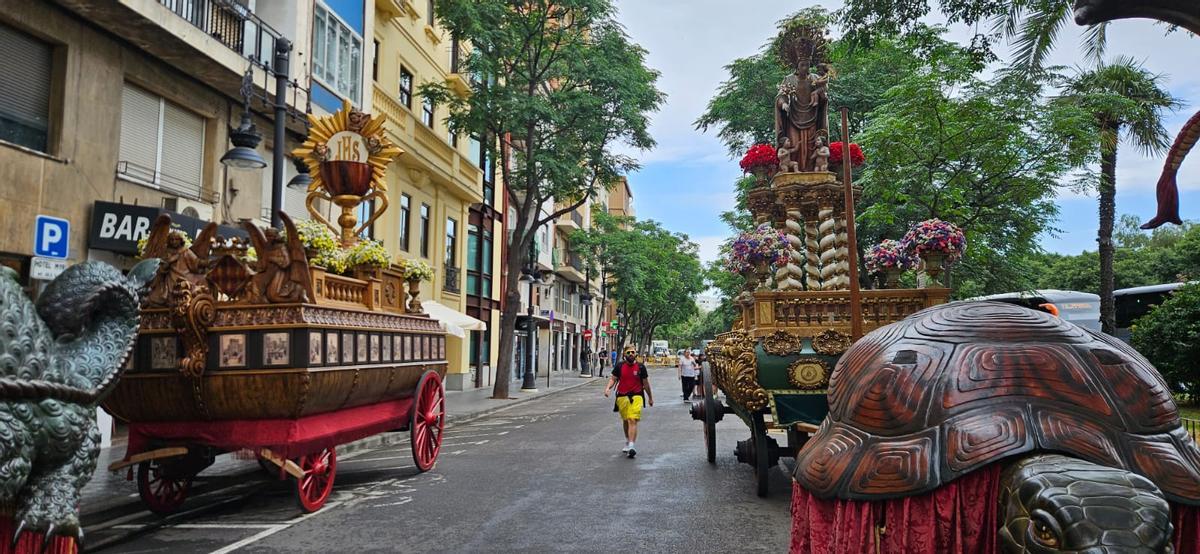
[630,408]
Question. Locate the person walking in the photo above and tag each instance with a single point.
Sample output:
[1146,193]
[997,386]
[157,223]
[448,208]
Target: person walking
[701,365]
[603,359]
[686,370]
[632,384]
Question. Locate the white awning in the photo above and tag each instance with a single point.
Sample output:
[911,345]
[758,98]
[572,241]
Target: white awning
[453,321]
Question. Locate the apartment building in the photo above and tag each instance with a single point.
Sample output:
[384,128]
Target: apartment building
[442,191]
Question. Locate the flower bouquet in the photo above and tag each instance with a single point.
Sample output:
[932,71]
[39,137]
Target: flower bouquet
[889,258]
[368,253]
[757,252]
[936,242]
[836,154]
[417,270]
[762,160]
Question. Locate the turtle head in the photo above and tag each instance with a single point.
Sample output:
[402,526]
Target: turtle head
[1053,503]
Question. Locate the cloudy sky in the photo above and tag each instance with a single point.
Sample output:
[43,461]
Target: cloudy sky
[688,178]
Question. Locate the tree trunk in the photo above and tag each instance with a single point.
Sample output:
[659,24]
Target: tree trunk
[518,252]
[1108,206]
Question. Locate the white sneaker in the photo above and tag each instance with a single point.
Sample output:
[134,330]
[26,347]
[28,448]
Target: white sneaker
[626,449]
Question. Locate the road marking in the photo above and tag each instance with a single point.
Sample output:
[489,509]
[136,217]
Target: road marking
[209,526]
[400,502]
[271,531]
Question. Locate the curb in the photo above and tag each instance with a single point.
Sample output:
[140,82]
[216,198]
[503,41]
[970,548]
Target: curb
[381,440]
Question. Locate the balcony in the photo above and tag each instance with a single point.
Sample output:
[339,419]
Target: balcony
[451,284]
[231,24]
[167,184]
[570,267]
[570,221]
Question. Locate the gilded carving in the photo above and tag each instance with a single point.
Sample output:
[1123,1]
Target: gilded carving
[282,315]
[831,342]
[738,371]
[193,311]
[809,374]
[782,343]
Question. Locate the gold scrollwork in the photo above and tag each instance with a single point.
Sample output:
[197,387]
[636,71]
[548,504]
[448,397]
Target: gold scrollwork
[809,374]
[737,371]
[831,342]
[782,343]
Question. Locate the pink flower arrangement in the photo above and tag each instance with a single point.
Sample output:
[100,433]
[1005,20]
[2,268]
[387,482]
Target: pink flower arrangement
[888,254]
[856,154]
[760,156]
[936,236]
[753,248]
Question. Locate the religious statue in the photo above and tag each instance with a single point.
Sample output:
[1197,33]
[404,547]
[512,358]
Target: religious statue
[802,104]
[787,158]
[281,273]
[179,262]
[821,155]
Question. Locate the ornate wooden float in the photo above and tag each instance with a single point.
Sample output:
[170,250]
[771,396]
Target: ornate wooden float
[274,355]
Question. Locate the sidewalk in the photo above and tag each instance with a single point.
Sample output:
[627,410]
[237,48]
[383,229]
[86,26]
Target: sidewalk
[110,495]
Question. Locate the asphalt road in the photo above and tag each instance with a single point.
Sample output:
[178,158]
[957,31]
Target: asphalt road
[542,476]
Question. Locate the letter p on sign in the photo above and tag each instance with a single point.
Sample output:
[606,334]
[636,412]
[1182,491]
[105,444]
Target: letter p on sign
[51,236]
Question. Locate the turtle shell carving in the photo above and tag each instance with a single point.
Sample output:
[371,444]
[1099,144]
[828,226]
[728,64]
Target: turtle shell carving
[950,389]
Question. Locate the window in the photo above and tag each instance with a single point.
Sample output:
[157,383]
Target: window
[424,230]
[479,258]
[337,54]
[25,89]
[473,259]
[480,154]
[161,144]
[363,212]
[406,85]
[427,111]
[451,242]
[486,264]
[405,211]
[429,17]
[375,62]
[454,54]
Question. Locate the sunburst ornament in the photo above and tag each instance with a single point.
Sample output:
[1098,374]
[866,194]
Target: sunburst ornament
[347,154]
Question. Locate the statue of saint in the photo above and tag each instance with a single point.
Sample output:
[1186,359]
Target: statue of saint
[802,104]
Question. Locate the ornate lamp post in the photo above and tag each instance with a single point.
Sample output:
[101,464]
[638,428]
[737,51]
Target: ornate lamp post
[530,275]
[585,367]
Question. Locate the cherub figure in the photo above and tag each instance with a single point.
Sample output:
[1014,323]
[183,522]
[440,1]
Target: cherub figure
[820,155]
[787,155]
[179,263]
[819,84]
[281,273]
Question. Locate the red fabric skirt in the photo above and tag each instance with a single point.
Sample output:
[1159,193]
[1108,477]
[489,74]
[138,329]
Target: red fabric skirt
[288,438]
[961,517]
[30,543]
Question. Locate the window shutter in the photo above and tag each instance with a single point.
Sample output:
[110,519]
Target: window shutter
[24,79]
[182,149]
[139,132]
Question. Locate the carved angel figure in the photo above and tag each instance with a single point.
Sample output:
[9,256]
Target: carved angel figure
[821,155]
[179,263]
[281,273]
[787,160]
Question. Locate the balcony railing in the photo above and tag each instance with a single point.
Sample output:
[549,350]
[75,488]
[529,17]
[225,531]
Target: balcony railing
[231,24]
[166,183]
[452,278]
[1192,426]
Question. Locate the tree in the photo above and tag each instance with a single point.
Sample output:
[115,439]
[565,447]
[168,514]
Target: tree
[653,275]
[1121,96]
[1169,336]
[559,84]
[1032,25]
[988,156]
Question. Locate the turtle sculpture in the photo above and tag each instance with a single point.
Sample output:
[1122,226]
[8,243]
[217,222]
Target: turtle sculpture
[1040,435]
[58,358]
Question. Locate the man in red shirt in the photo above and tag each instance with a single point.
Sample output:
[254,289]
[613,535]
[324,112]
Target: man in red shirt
[633,392]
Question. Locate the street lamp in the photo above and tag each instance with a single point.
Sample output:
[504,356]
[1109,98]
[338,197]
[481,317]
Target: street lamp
[302,179]
[245,137]
[586,300]
[530,275]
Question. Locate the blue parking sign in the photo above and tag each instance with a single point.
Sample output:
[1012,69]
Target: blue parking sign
[51,236]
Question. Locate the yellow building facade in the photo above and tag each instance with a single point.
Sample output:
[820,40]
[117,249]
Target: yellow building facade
[440,200]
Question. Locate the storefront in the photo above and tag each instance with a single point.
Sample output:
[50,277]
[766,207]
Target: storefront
[115,229]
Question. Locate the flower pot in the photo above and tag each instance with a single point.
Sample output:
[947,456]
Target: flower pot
[414,292]
[933,264]
[345,178]
[892,277]
[763,270]
[762,175]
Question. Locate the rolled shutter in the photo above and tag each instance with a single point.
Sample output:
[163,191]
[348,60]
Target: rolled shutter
[139,133]
[182,149]
[24,88]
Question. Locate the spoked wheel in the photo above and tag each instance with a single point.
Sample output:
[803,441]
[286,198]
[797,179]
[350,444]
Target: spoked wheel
[711,416]
[313,489]
[762,454]
[428,420]
[162,490]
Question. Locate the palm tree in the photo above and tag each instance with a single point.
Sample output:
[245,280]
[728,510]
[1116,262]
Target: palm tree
[1127,101]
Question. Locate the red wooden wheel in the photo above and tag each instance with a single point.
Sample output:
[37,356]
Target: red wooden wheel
[313,489]
[161,490]
[428,420]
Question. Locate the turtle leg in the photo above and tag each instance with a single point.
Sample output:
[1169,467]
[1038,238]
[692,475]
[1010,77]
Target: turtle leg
[50,499]
[16,449]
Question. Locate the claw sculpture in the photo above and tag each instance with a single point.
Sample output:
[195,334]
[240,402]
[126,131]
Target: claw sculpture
[1186,14]
[58,359]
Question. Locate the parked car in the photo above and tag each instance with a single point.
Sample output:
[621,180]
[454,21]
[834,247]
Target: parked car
[1080,308]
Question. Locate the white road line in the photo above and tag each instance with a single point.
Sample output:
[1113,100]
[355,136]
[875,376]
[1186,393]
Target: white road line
[268,532]
[209,526]
[400,502]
